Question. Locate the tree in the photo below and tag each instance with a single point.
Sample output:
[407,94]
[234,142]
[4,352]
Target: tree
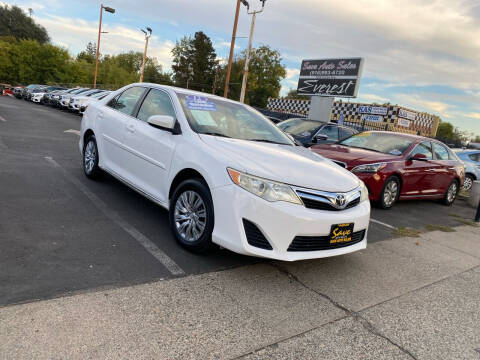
[292,94]
[194,62]
[89,53]
[445,130]
[15,22]
[264,76]
[477,139]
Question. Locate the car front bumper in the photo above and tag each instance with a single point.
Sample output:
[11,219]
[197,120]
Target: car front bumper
[280,223]
[36,99]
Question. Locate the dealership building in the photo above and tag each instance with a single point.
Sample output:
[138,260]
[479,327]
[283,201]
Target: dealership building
[390,117]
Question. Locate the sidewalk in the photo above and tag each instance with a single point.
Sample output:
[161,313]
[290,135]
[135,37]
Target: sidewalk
[409,298]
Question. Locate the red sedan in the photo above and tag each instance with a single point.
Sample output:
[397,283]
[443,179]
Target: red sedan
[399,166]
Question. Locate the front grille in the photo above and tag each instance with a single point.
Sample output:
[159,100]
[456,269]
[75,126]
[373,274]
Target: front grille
[318,205]
[254,236]
[315,243]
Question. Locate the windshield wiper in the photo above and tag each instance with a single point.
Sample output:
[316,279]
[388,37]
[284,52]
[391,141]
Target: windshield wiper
[364,148]
[267,141]
[216,134]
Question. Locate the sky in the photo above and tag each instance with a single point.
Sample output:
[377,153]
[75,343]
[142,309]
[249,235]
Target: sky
[421,54]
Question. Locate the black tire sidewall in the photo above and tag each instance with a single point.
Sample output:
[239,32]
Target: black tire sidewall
[381,201]
[95,171]
[203,244]
[445,199]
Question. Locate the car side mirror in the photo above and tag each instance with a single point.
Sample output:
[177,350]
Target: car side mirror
[418,157]
[164,122]
[320,137]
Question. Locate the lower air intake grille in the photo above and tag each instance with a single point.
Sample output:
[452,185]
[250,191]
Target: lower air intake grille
[315,243]
[255,236]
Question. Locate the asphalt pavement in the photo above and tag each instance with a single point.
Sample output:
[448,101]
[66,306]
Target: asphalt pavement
[61,233]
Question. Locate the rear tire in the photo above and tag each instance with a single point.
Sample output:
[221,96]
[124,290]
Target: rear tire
[451,193]
[90,158]
[467,184]
[191,216]
[390,193]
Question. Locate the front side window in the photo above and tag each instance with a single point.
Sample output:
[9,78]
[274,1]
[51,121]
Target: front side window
[127,100]
[423,148]
[213,116]
[380,142]
[300,127]
[330,131]
[157,102]
[441,153]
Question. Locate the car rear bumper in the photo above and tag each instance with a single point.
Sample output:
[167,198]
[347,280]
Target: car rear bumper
[281,223]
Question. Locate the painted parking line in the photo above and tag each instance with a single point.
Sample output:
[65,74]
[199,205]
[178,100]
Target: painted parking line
[153,249]
[382,223]
[3,119]
[73,131]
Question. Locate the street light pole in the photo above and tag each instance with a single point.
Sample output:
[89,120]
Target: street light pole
[247,59]
[112,11]
[147,36]
[232,46]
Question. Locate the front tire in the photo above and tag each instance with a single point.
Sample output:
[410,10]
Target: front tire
[390,193]
[451,193]
[90,158]
[191,216]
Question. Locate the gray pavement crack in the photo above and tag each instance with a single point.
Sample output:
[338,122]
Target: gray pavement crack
[367,325]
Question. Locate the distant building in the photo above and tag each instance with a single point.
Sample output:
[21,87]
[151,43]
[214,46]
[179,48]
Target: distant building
[388,117]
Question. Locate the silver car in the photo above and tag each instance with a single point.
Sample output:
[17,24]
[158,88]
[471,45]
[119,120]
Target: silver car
[471,159]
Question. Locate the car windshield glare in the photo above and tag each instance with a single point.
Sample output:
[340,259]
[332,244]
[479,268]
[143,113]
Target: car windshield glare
[380,142]
[212,116]
[300,127]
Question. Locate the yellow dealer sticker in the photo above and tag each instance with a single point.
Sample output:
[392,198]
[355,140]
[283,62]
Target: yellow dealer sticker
[341,233]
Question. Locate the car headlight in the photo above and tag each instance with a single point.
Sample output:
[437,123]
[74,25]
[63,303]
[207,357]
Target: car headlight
[266,189]
[369,168]
[364,192]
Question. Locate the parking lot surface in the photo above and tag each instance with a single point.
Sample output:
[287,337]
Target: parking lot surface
[62,233]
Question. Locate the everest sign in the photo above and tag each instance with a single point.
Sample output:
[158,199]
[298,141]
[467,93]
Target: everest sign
[330,77]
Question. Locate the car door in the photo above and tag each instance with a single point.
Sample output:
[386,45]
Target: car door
[331,132]
[112,120]
[418,175]
[150,149]
[444,170]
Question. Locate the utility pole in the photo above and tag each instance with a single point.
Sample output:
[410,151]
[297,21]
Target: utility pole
[112,11]
[147,36]
[247,59]
[232,46]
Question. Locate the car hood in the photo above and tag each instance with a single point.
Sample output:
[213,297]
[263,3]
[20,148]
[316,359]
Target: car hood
[294,165]
[352,156]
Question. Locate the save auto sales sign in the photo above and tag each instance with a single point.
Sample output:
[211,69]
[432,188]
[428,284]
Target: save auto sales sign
[330,77]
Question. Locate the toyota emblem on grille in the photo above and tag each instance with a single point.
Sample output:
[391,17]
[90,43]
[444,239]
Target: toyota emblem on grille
[340,200]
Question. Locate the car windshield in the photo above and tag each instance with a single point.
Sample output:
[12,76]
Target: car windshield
[300,127]
[212,116]
[380,142]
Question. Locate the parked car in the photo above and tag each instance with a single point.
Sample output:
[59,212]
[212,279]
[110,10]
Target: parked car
[17,91]
[64,100]
[399,166]
[84,102]
[471,159]
[74,104]
[226,174]
[309,132]
[38,94]
[6,89]
[54,99]
[27,90]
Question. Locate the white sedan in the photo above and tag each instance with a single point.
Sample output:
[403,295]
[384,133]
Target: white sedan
[227,175]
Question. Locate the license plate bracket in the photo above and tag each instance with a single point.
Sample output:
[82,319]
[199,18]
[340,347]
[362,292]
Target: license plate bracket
[341,233]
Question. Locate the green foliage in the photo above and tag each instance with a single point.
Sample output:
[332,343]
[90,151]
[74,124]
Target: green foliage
[292,94]
[194,62]
[14,22]
[264,76]
[445,130]
[477,139]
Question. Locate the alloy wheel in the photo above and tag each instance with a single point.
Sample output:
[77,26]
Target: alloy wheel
[390,193]
[90,156]
[190,216]
[467,184]
[452,192]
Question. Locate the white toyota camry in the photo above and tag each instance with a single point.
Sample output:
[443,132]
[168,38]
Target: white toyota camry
[227,175]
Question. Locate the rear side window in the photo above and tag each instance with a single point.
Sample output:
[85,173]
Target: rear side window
[475,157]
[423,148]
[157,102]
[441,152]
[127,100]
